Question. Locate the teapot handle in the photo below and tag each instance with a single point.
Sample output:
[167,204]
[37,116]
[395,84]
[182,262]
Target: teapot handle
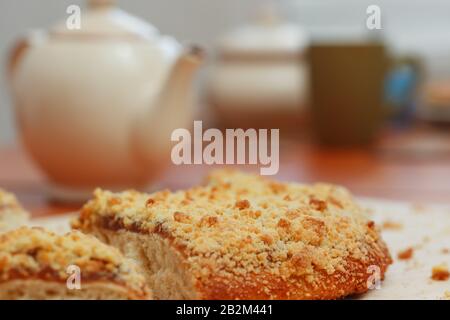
[16,54]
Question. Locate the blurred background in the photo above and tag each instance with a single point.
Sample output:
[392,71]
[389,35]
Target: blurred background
[414,27]
[369,109]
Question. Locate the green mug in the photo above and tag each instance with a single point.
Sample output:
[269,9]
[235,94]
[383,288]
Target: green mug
[347,84]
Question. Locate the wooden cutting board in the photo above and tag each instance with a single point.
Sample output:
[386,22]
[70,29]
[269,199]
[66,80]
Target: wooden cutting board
[423,228]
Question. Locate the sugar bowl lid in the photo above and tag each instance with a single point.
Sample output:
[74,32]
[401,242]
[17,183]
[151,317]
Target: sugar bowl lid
[267,34]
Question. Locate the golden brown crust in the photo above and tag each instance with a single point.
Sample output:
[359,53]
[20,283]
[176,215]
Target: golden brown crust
[246,237]
[265,286]
[37,254]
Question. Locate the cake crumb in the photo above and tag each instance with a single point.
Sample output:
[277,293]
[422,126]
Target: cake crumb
[391,225]
[440,273]
[406,254]
[418,208]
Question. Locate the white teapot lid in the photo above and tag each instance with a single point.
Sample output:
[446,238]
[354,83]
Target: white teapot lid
[102,18]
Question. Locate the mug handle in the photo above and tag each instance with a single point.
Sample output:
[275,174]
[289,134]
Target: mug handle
[404,75]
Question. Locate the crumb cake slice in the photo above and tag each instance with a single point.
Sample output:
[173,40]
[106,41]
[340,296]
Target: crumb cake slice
[12,215]
[242,236]
[37,264]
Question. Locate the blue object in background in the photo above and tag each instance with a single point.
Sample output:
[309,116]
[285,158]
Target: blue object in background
[400,88]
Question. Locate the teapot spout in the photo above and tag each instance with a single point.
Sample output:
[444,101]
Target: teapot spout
[171,109]
[176,93]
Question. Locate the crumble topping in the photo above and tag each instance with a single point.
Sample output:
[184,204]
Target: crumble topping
[35,251]
[239,223]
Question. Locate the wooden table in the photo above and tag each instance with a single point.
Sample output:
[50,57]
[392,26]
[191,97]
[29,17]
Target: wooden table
[411,165]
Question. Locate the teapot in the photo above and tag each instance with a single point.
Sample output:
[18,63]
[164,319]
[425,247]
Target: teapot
[96,105]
